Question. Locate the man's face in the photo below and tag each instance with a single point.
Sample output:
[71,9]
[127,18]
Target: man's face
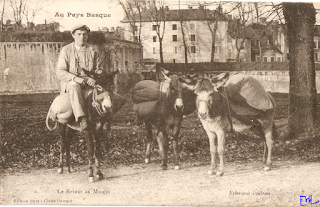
[80,37]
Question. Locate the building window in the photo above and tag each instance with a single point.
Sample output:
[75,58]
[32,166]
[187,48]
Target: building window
[174,38]
[258,59]
[154,38]
[315,44]
[154,27]
[154,50]
[316,57]
[174,60]
[265,59]
[193,49]
[175,50]
[174,27]
[216,49]
[192,26]
[272,59]
[193,37]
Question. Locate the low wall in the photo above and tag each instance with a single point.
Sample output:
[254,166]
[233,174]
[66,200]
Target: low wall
[273,76]
[272,81]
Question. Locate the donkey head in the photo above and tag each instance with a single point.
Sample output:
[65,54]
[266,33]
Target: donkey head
[208,101]
[101,94]
[175,88]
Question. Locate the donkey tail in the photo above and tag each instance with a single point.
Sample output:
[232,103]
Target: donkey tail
[47,121]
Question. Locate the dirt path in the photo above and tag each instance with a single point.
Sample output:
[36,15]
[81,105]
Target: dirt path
[243,184]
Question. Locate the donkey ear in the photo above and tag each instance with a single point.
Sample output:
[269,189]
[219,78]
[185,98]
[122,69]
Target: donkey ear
[219,80]
[165,76]
[190,87]
[164,71]
[89,73]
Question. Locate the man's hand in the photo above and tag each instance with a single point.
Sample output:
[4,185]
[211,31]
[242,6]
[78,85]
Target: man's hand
[91,82]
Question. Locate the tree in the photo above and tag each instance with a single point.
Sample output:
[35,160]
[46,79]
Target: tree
[182,17]
[25,11]
[157,15]
[133,10]
[2,14]
[300,20]
[212,18]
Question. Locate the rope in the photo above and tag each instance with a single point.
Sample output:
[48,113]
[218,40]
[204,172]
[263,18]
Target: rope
[47,121]
[229,109]
[95,103]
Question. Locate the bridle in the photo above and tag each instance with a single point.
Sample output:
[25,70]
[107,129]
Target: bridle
[95,102]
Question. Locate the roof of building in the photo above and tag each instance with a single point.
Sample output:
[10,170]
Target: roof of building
[200,14]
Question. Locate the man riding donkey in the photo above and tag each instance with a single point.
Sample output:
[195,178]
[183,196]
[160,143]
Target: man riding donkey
[73,59]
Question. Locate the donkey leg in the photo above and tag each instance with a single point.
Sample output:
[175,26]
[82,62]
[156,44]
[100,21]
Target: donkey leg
[258,131]
[70,133]
[98,155]
[162,139]
[221,148]
[62,133]
[175,145]
[90,150]
[149,141]
[213,149]
[268,148]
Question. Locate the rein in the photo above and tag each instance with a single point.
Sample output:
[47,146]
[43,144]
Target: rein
[95,103]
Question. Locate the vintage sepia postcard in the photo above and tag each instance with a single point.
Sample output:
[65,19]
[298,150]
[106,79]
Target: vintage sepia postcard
[159,102]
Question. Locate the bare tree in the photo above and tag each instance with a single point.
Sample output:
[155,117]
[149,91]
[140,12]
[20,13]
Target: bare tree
[18,8]
[243,13]
[2,14]
[30,11]
[182,17]
[133,10]
[24,10]
[157,15]
[212,18]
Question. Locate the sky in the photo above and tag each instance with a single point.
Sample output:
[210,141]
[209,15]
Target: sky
[71,12]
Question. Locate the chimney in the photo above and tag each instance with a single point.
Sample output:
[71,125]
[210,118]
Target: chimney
[166,8]
[45,21]
[201,7]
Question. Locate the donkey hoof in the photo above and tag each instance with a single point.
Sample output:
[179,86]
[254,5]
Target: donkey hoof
[164,167]
[177,167]
[219,173]
[147,160]
[99,176]
[60,170]
[91,179]
[266,168]
[210,172]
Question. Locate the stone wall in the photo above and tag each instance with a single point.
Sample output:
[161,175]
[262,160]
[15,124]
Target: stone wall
[30,67]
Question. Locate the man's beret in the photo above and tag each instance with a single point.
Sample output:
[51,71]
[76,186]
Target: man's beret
[80,27]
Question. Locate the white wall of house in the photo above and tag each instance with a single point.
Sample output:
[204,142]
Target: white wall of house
[198,39]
